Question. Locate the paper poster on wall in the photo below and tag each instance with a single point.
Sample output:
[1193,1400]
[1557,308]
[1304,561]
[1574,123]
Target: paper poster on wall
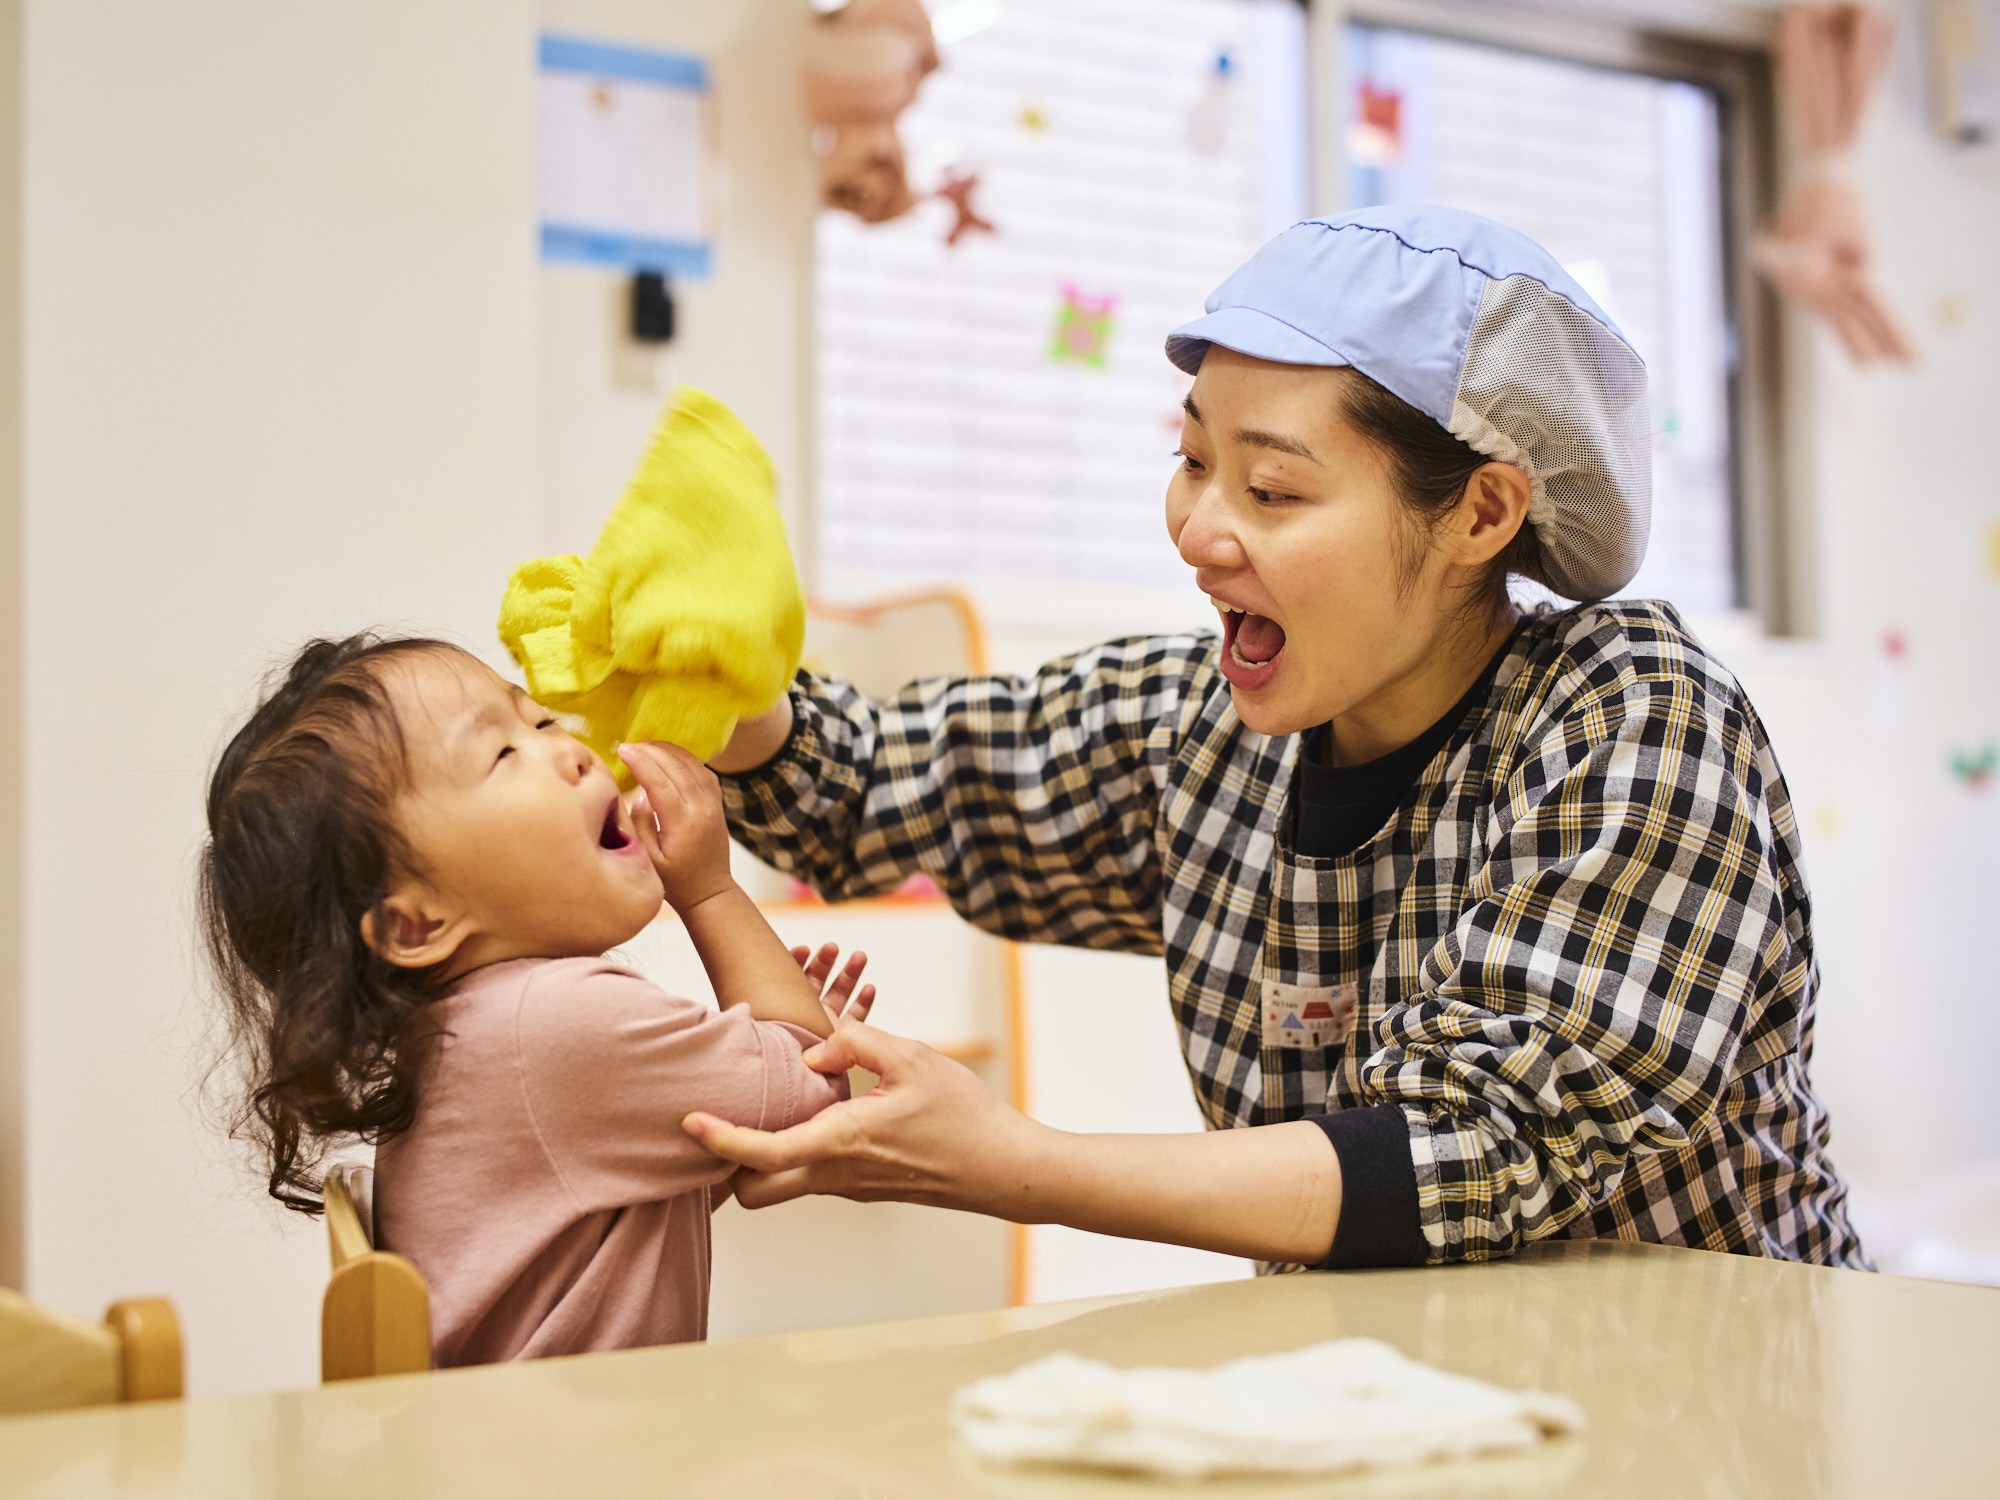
[620,156]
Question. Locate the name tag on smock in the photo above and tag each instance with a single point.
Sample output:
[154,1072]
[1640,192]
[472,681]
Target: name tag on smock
[1298,1015]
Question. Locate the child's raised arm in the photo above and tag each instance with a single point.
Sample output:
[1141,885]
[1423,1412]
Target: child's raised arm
[679,818]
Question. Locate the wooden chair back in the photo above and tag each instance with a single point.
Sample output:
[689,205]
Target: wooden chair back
[879,646]
[376,1316]
[50,1361]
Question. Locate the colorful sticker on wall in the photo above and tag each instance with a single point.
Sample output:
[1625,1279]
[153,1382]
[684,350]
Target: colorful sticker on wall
[1083,327]
[1375,134]
[1973,769]
[1993,550]
[957,189]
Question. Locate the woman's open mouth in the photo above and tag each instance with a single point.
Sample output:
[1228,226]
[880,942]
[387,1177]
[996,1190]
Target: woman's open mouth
[1251,647]
[611,836]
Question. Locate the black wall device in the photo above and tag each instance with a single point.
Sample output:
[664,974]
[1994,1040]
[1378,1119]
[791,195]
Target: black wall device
[652,308]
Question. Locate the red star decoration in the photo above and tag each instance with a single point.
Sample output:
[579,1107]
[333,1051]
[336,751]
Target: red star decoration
[956,189]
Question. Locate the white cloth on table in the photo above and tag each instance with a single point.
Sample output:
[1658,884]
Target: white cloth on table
[1348,1404]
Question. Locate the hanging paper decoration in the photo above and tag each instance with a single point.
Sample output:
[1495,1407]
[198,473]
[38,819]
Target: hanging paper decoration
[956,189]
[1375,134]
[1083,327]
[862,67]
[1975,768]
[1816,250]
[1208,121]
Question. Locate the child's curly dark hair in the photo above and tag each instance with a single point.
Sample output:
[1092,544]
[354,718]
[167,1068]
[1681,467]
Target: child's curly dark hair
[301,843]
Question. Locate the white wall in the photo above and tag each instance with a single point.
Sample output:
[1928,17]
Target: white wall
[280,380]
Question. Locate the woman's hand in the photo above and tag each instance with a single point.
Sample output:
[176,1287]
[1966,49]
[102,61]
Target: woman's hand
[842,1003]
[930,1132]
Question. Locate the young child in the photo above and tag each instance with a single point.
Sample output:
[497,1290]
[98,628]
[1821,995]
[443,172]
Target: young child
[411,877]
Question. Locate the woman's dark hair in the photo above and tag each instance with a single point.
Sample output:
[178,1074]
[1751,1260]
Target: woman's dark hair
[1430,469]
[300,844]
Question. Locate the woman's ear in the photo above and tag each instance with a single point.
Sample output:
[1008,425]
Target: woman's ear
[1491,515]
[411,930]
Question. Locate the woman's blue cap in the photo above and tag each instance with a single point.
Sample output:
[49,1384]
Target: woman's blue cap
[1479,328]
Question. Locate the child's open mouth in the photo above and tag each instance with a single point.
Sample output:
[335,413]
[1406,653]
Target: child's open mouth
[1251,646]
[611,836]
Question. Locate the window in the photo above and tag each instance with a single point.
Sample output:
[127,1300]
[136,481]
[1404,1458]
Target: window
[1620,175]
[997,410]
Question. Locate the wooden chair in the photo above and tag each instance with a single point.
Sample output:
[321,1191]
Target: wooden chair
[878,647]
[376,1316]
[50,1361]
[885,643]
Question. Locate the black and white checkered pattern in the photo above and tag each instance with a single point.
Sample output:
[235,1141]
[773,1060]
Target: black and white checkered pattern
[1582,946]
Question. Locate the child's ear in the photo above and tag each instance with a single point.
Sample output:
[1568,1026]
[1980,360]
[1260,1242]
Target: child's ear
[408,931]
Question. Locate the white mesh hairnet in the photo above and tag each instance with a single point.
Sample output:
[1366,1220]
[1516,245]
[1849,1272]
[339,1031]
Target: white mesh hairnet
[1548,388]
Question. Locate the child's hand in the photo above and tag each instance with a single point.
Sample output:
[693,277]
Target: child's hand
[678,813]
[839,999]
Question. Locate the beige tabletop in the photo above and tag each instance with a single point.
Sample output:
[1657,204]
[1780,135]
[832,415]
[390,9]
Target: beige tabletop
[1708,1375]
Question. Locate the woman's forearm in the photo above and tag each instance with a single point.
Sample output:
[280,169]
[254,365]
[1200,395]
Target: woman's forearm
[931,1132]
[755,740]
[1271,1192]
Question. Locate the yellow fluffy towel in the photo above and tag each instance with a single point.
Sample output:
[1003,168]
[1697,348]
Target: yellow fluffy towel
[687,614]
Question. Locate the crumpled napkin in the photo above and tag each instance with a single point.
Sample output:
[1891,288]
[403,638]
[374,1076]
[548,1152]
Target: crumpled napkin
[1348,1404]
[687,615]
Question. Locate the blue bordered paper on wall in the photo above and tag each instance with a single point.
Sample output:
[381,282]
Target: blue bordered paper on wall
[621,156]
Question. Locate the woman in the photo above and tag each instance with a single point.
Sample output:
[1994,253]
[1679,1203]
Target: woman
[1480,928]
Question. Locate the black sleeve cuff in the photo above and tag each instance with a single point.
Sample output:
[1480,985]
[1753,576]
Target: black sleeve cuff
[1379,1222]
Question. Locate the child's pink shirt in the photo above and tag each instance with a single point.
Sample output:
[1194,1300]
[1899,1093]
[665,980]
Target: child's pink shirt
[546,1189]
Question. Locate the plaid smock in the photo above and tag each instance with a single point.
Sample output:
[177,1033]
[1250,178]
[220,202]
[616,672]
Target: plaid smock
[1579,956]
